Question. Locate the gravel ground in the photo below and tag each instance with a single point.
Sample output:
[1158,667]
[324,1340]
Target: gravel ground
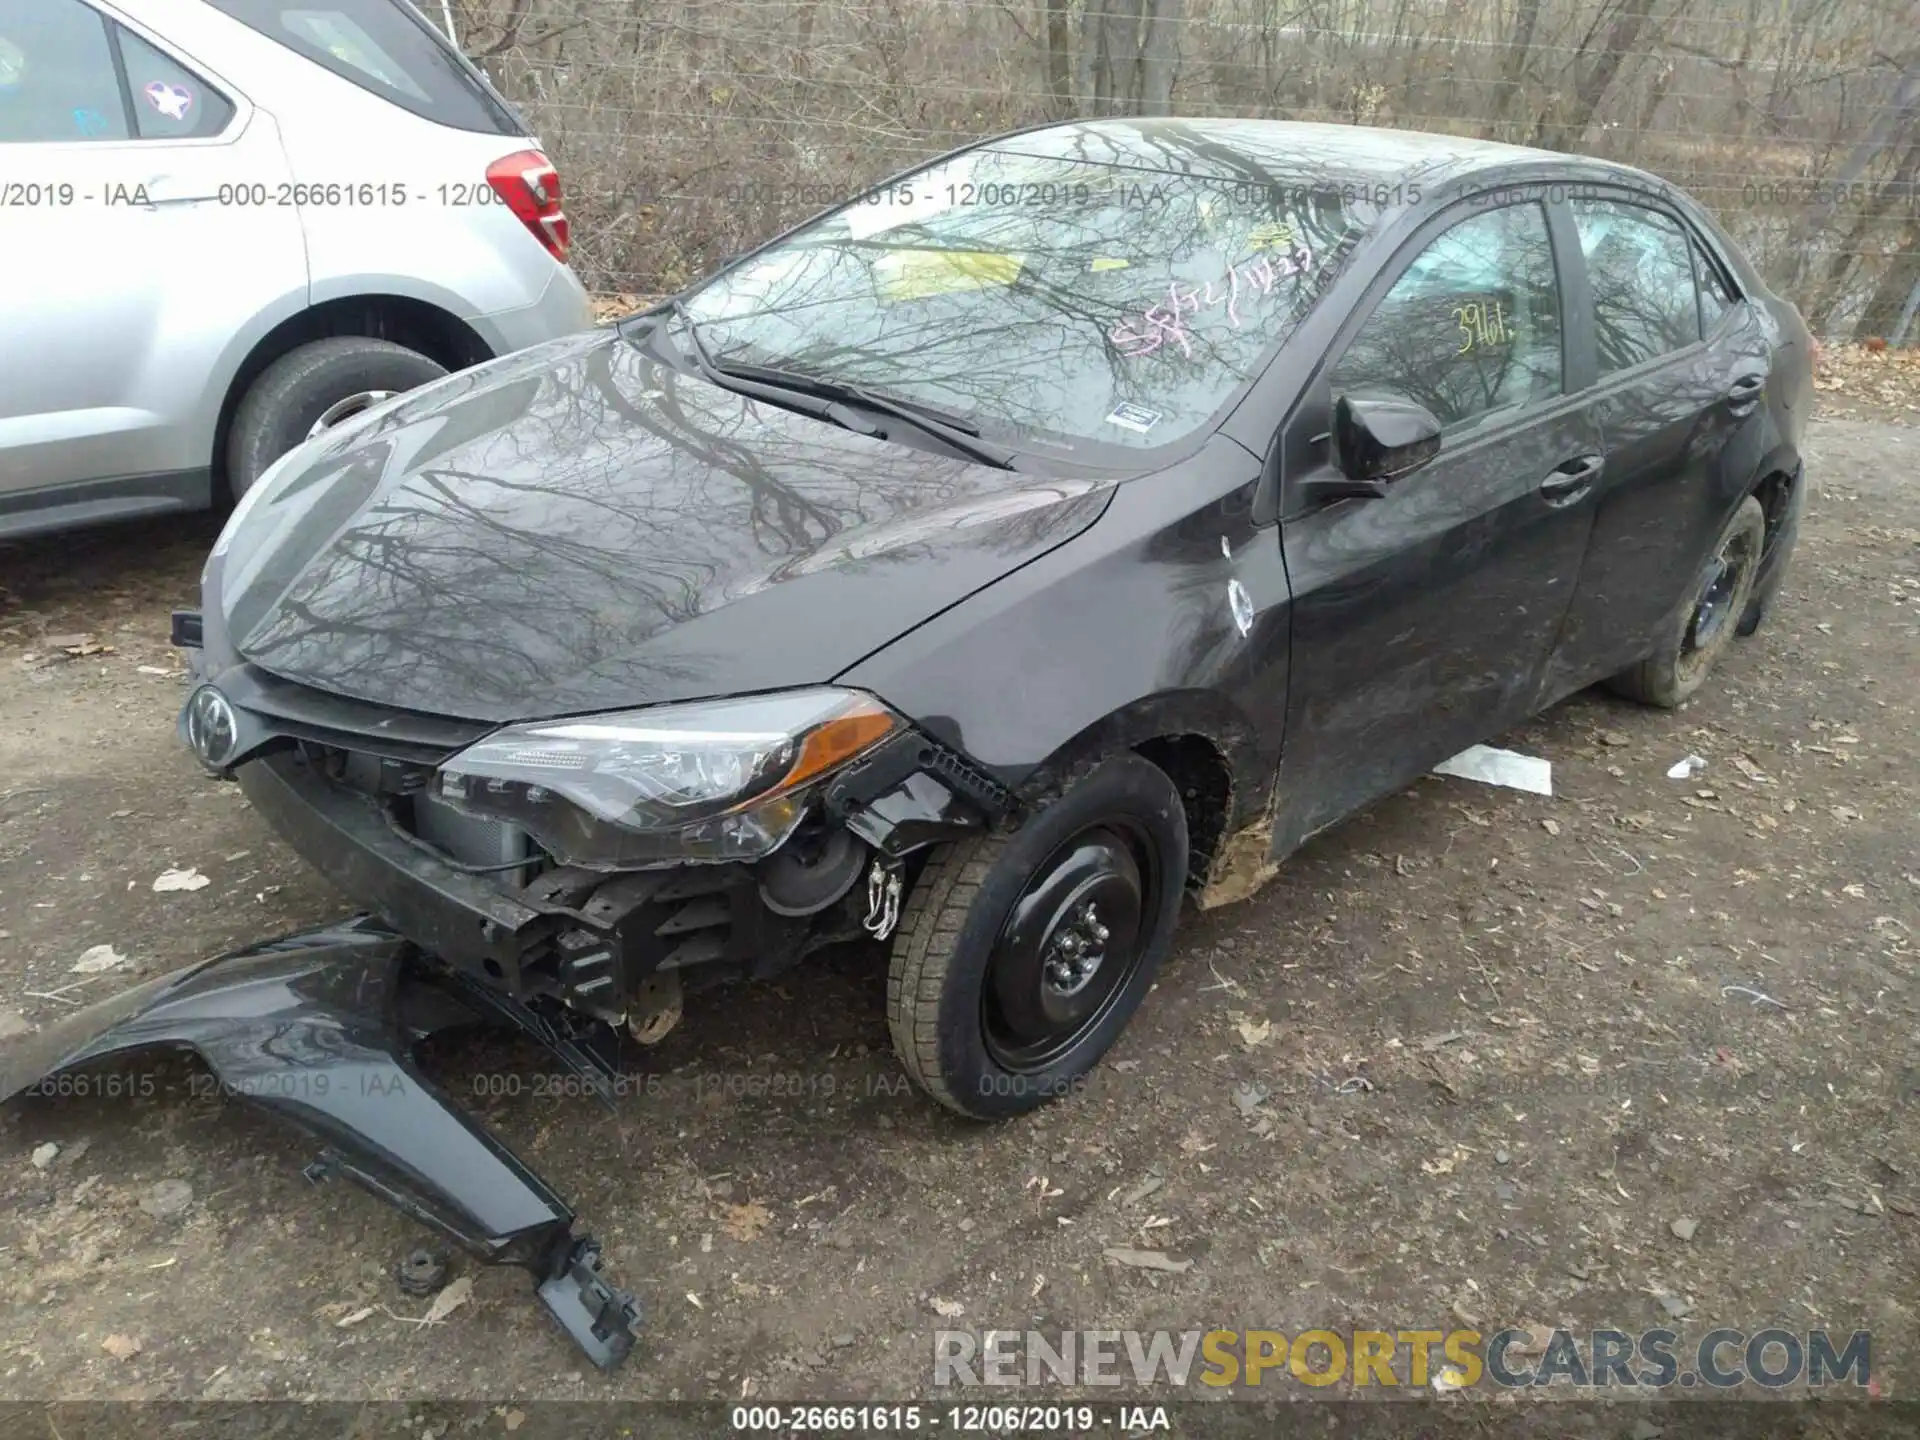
[1471,1058]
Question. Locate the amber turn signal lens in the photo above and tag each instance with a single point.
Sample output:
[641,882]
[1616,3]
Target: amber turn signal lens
[831,745]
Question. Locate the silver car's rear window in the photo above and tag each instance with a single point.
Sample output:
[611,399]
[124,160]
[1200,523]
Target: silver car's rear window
[386,47]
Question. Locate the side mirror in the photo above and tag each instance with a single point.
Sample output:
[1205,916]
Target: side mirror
[1377,439]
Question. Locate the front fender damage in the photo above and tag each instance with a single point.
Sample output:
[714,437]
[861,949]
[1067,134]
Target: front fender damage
[319,1028]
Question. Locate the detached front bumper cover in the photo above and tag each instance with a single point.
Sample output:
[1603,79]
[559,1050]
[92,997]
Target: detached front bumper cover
[319,1028]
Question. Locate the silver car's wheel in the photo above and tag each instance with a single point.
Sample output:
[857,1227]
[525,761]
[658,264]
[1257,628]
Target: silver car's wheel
[312,388]
[346,409]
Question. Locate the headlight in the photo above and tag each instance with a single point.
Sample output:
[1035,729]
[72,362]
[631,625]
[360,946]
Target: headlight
[713,781]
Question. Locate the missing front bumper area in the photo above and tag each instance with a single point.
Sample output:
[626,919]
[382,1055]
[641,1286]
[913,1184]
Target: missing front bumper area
[320,1029]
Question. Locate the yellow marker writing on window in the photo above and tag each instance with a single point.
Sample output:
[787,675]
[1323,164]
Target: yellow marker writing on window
[919,274]
[1482,325]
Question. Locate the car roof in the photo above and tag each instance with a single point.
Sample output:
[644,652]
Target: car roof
[1227,148]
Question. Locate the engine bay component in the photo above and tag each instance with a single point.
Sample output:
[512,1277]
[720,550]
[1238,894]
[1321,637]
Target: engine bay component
[805,879]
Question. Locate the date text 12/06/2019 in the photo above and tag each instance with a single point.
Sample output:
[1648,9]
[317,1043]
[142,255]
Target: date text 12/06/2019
[960,1419]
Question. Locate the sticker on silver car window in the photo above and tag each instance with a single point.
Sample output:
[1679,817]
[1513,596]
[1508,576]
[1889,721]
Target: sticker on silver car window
[172,101]
[13,64]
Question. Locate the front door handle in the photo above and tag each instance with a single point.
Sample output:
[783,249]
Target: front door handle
[1567,483]
[1745,393]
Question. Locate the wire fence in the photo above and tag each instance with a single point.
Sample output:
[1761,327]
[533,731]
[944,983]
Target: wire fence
[688,130]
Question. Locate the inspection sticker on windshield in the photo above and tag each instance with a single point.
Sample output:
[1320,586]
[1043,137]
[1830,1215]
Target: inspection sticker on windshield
[1133,417]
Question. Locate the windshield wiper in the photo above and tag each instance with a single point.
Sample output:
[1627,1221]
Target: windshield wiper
[728,377]
[950,429]
[839,389]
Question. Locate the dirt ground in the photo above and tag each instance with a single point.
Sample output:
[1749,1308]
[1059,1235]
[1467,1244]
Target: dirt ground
[1467,1060]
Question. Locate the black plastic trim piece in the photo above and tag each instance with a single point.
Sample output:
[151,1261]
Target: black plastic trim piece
[317,1029]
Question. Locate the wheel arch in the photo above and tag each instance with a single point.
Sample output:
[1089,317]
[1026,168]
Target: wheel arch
[437,333]
[1205,745]
[1780,485]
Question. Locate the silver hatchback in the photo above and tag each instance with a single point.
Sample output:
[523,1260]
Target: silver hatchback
[226,224]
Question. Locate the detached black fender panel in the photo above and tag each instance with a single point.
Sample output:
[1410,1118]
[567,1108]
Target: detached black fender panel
[319,1028]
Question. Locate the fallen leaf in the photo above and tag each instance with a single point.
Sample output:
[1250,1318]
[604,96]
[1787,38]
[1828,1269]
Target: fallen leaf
[1146,1259]
[745,1222]
[188,879]
[121,1347]
[1142,1190]
[450,1299]
[950,1309]
[96,958]
[1684,1227]
[1254,1033]
[513,1419]
[347,1321]
[43,1155]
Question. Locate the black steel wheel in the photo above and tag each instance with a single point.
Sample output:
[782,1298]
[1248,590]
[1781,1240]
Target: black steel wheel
[1021,957]
[1708,620]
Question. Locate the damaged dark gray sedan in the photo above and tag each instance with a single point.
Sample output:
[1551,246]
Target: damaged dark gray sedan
[1068,527]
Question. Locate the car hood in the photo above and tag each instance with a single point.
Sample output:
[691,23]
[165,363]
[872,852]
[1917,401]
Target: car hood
[581,527]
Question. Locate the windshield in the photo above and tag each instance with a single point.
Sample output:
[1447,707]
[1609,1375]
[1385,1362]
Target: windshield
[1049,300]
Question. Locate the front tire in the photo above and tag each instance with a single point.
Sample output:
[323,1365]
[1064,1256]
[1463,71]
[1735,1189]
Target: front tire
[326,380]
[1717,604]
[1021,957]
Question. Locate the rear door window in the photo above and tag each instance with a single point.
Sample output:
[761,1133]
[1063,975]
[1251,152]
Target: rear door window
[57,77]
[170,102]
[387,48]
[1716,295]
[1641,272]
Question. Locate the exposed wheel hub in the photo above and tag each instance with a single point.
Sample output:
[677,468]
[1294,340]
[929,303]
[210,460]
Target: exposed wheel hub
[1067,948]
[1076,952]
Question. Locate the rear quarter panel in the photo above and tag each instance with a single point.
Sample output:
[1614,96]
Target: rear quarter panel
[421,221]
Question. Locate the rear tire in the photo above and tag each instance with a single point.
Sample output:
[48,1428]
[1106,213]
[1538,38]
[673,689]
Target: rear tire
[290,396]
[1706,625]
[1021,957]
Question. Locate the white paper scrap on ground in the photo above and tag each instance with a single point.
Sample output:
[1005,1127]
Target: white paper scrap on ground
[1500,767]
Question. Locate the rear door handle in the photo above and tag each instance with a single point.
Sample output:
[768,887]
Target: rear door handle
[1567,483]
[1745,393]
[171,190]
